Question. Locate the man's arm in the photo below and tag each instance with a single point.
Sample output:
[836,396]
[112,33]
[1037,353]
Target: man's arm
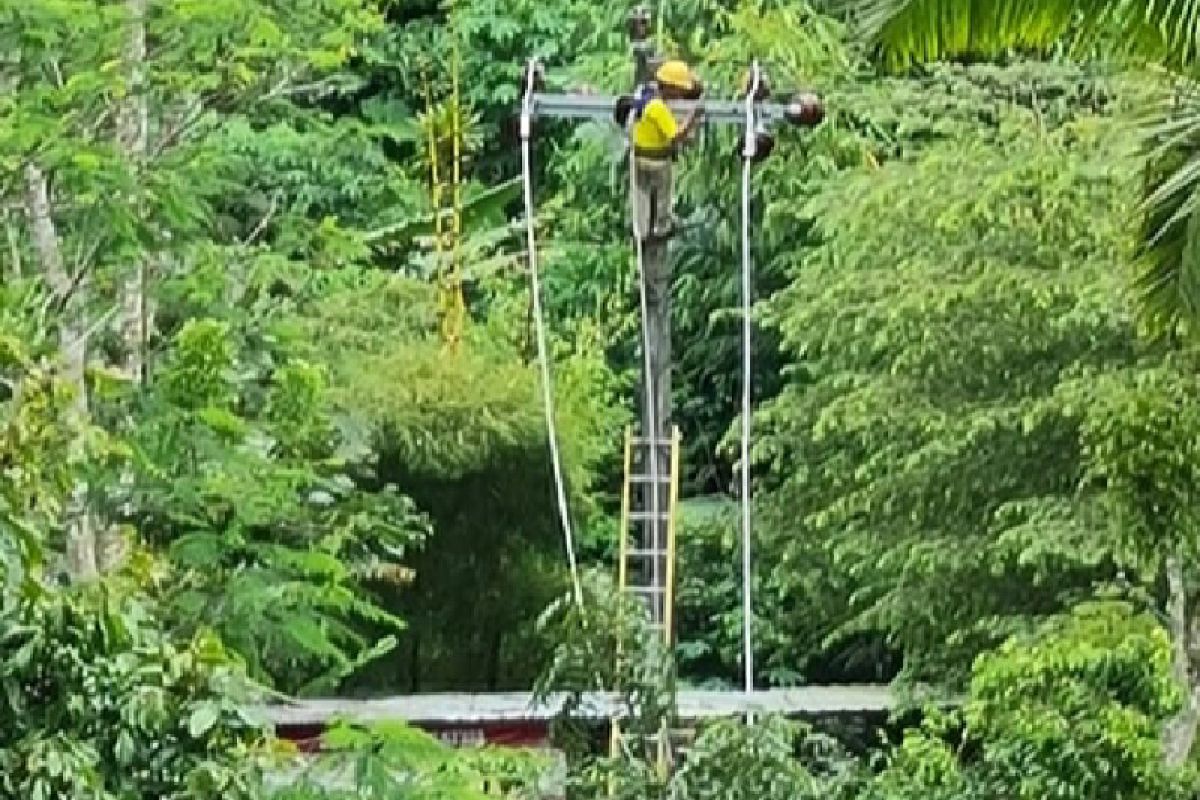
[697,113]
[672,131]
[689,125]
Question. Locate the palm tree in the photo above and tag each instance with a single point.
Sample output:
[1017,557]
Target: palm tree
[1164,34]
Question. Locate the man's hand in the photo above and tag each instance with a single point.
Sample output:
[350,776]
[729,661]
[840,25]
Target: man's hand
[693,121]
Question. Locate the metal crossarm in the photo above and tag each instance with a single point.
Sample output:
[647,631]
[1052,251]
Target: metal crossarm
[591,106]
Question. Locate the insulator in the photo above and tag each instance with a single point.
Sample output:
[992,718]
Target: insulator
[764,145]
[764,86]
[805,109]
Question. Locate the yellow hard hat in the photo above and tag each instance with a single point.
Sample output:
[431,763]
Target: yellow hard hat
[675,73]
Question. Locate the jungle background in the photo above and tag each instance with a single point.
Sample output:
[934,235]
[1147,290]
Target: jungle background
[239,458]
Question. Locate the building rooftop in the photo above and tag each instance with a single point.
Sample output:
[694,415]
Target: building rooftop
[693,704]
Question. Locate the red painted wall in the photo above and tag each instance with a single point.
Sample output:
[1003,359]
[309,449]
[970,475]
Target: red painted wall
[307,738]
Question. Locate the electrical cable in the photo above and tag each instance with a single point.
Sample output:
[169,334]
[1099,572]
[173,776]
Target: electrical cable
[540,335]
[544,364]
[747,606]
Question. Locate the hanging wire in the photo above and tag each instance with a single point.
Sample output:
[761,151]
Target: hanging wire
[747,606]
[544,363]
[540,335]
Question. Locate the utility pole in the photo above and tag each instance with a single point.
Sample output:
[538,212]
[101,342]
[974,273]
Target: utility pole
[655,395]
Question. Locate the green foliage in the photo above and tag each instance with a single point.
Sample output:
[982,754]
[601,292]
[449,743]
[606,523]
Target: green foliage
[389,760]
[708,595]
[773,758]
[278,544]
[1138,436]
[419,398]
[101,704]
[465,437]
[790,650]
[70,83]
[1071,711]
[608,643]
[304,166]
[493,41]
[916,31]
[960,434]
[201,373]
[925,459]
[1163,34]
[1077,713]
[34,438]
[443,416]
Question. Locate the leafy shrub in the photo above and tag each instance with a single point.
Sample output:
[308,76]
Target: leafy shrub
[1073,711]
[100,703]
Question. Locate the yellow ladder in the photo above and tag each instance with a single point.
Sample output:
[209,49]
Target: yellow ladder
[646,566]
[447,210]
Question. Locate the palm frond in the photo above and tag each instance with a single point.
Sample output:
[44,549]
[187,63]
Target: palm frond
[1168,258]
[907,32]
[1165,32]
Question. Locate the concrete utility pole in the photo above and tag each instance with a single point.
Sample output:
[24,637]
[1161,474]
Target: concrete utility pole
[655,387]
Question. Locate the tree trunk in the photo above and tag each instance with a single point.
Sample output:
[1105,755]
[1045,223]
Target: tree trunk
[81,537]
[14,250]
[132,136]
[1179,735]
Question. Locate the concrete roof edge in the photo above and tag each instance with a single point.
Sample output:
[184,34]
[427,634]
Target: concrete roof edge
[516,707]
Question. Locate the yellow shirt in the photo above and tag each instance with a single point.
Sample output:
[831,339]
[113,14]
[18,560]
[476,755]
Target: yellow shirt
[656,129]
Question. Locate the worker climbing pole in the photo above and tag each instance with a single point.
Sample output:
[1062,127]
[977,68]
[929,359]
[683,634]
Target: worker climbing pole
[665,91]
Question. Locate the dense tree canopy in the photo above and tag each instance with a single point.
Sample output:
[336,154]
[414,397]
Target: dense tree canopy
[242,460]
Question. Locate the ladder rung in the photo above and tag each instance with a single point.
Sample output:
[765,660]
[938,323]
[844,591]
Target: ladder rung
[644,738]
[649,479]
[647,589]
[662,441]
[642,516]
[646,553]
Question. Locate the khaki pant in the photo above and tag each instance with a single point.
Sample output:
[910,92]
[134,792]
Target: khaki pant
[654,203]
